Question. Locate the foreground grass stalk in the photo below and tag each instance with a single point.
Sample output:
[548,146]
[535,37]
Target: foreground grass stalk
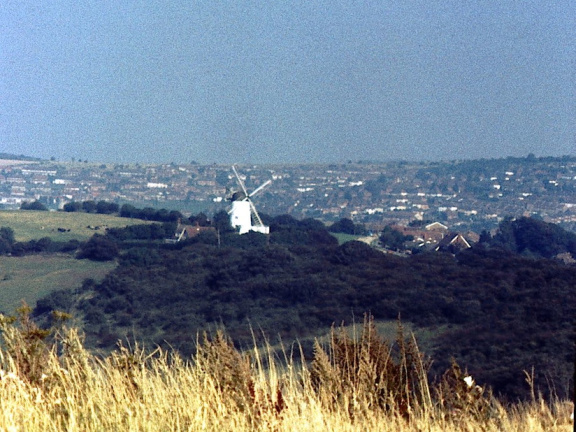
[349,387]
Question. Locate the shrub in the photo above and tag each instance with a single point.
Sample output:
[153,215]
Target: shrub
[34,205]
[99,248]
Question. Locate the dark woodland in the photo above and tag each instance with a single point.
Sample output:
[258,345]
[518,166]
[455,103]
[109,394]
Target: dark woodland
[503,307]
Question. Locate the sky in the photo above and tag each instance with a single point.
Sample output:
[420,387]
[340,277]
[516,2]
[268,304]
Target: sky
[308,81]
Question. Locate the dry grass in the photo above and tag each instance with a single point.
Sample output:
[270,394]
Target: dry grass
[220,389]
[362,374]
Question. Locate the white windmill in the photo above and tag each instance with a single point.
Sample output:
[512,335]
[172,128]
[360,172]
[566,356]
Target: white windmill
[243,214]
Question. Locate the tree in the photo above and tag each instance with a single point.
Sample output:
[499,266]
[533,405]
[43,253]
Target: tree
[99,248]
[128,211]
[7,234]
[89,206]
[175,216]
[344,225]
[34,205]
[104,207]
[148,213]
[6,240]
[201,219]
[393,239]
[222,221]
[530,236]
[43,244]
[485,237]
[73,206]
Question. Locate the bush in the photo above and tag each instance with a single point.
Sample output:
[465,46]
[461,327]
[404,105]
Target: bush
[34,205]
[61,300]
[73,206]
[6,240]
[98,248]
[104,207]
[140,257]
[346,226]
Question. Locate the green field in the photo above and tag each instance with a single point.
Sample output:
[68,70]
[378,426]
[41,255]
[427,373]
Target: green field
[28,225]
[34,276]
[343,238]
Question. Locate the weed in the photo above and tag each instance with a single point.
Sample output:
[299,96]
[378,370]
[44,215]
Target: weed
[461,398]
[365,374]
[229,369]
[25,344]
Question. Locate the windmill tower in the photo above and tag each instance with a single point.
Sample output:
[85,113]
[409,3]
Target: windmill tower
[243,214]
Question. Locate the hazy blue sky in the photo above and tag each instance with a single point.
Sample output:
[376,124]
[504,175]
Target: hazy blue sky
[287,81]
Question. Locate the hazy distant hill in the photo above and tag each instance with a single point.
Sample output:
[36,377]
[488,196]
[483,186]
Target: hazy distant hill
[9,156]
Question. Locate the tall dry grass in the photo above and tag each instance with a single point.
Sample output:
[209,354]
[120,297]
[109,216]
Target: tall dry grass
[52,383]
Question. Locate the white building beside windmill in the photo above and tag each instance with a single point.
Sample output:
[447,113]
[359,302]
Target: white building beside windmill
[243,215]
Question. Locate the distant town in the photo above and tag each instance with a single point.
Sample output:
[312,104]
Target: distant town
[463,195]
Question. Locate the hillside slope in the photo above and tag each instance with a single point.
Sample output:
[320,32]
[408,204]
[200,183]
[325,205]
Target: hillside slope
[504,313]
[59,226]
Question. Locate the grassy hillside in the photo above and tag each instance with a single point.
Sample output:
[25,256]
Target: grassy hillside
[32,277]
[28,225]
[164,296]
[497,313]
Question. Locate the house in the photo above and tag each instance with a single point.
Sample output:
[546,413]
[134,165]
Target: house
[431,233]
[453,242]
[419,235]
[436,226]
[184,232]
